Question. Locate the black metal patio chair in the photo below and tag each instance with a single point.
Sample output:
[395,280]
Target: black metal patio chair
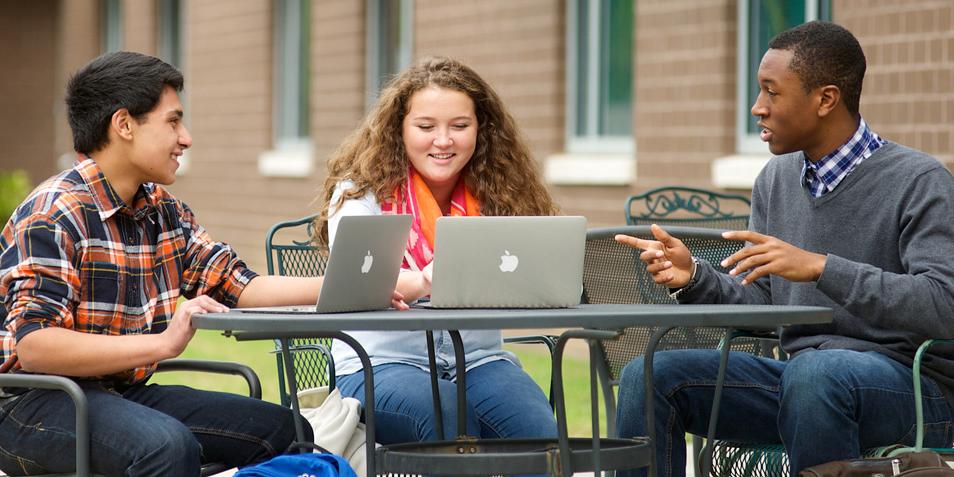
[613,273]
[67,385]
[291,250]
[687,206]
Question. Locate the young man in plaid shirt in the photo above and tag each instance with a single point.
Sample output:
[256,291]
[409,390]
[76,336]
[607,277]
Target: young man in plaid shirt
[92,265]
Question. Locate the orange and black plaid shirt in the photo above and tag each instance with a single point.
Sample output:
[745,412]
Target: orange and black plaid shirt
[74,256]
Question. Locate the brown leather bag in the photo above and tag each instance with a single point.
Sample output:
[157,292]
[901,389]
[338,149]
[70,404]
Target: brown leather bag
[913,464]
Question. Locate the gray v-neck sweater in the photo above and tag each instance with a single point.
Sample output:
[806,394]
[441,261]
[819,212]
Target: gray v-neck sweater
[888,232]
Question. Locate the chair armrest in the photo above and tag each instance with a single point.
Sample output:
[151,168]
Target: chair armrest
[217,367]
[43,381]
[548,340]
[918,406]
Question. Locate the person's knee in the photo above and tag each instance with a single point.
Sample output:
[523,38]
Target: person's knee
[817,371]
[814,378]
[169,448]
[669,369]
[276,431]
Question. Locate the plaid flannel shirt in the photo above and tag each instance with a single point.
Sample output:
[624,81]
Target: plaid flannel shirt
[823,176]
[74,256]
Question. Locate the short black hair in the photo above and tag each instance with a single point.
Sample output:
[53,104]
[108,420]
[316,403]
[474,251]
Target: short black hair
[824,53]
[109,83]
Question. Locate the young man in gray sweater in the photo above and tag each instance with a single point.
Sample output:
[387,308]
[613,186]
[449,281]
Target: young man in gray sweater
[841,218]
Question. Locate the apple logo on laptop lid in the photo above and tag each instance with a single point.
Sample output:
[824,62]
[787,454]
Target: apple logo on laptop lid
[508,263]
[368,262]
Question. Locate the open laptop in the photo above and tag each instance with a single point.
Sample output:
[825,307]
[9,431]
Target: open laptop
[363,266]
[508,262]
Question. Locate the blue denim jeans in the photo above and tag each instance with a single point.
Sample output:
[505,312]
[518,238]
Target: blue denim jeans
[502,401]
[822,405]
[146,430]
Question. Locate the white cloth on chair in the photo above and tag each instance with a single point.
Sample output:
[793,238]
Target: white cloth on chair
[336,424]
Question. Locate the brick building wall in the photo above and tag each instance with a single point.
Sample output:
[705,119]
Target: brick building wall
[77,41]
[228,93]
[139,25]
[27,31]
[684,88]
[908,95]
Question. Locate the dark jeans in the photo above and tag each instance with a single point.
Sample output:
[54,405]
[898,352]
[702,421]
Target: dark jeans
[152,430]
[822,405]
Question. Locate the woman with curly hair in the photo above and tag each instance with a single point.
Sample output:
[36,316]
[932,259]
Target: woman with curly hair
[438,142]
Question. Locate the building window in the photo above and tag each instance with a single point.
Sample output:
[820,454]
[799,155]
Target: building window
[600,76]
[292,149]
[169,47]
[169,37]
[389,42]
[112,20]
[292,70]
[759,21]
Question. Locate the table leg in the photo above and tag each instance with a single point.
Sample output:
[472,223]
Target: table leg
[435,391]
[716,400]
[563,440]
[595,407]
[292,388]
[650,397]
[368,407]
[461,382]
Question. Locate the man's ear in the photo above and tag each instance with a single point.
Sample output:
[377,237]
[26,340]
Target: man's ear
[121,124]
[829,97]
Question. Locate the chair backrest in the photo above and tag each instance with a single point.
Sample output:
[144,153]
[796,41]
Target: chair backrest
[291,251]
[613,273]
[690,207]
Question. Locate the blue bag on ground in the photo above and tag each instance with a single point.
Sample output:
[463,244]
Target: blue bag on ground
[300,465]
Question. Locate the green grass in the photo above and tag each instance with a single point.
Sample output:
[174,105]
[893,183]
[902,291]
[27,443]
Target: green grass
[256,354]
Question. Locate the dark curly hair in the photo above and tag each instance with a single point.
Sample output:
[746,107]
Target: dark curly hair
[501,174]
[824,53]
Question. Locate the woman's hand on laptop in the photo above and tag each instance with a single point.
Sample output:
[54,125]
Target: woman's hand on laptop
[397,301]
[415,284]
[666,258]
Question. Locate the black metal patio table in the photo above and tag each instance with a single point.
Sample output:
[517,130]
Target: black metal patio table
[472,456]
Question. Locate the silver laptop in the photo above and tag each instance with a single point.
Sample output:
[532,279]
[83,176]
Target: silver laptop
[363,266]
[508,262]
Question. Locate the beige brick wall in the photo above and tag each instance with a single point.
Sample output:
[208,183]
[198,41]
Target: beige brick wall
[229,86]
[77,42]
[28,52]
[517,46]
[685,89]
[908,95]
[685,60]
[139,26]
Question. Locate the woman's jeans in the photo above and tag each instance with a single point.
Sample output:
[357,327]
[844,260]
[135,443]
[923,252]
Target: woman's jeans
[502,401]
[145,430]
[822,405]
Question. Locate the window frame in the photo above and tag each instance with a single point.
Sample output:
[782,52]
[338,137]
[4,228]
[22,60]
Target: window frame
[746,142]
[375,37]
[292,153]
[291,75]
[170,36]
[591,142]
[111,14]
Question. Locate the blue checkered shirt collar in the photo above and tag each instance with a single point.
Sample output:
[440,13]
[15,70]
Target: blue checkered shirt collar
[823,176]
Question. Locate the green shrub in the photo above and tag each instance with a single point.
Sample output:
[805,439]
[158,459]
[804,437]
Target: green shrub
[14,186]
